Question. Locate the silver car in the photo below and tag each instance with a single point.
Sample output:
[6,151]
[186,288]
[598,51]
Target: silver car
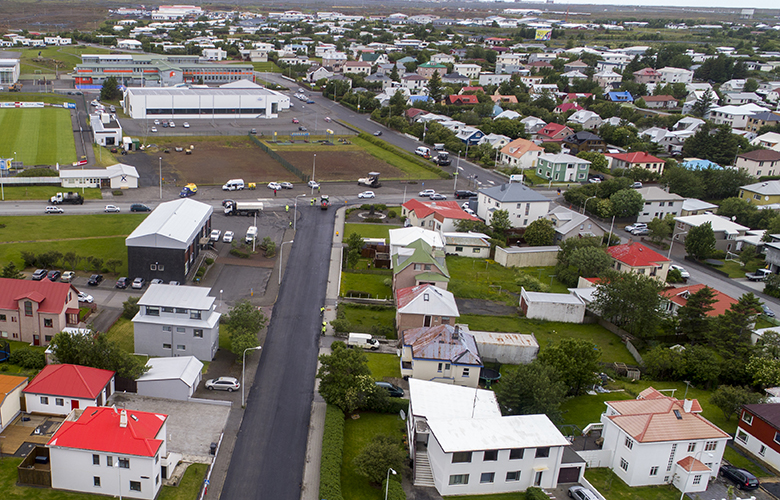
[229,384]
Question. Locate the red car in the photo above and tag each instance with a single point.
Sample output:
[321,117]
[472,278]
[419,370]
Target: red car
[295,120]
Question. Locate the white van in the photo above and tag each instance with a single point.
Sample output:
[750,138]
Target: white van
[233,185]
[251,234]
[439,146]
[423,151]
[363,340]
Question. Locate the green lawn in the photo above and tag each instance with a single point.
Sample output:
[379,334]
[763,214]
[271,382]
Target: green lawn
[735,270]
[35,97]
[369,230]
[266,67]
[122,334]
[189,486]
[383,365]
[367,283]
[37,136]
[736,459]
[496,496]
[44,193]
[587,409]
[70,55]
[357,434]
[548,332]
[613,488]
[363,318]
[409,166]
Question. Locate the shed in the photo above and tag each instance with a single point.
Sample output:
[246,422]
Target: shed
[171,378]
[11,388]
[528,256]
[506,348]
[568,308]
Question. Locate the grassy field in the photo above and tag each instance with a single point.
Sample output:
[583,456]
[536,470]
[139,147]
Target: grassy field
[548,332]
[69,56]
[409,167]
[613,488]
[357,434]
[383,365]
[266,67]
[35,97]
[44,193]
[367,283]
[37,136]
[122,334]
[363,318]
[369,230]
[587,409]
[735,270]
[189,486]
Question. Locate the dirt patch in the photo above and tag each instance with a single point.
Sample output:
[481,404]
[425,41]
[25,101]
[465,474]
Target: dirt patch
[341,165]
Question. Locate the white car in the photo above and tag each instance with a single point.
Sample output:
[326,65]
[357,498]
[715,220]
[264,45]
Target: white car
[685,274]
[154,129]
[634,227]
[275,186]
[228,238]
[157,122]
[470,212]
[313,184]
[171,124]
[366,194]
[54,210]
[427,193]
[327,119]
[112,208]
[215,234]
[186,124]
[229,384]
[85,297]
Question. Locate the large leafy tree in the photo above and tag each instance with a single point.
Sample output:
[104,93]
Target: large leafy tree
[729,399]
[660,229]
[581,257]
[540,232]
[382,453]
[576,360]
[110,89]
[700,241]
[243,323]
[597,160]
[627,203]
[629,300]
[500,223]
[345,380]
[97,352]
[535,388]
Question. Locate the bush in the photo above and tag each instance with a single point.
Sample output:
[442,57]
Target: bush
[332,451]
[530,283]
[209,261]
[392,214]
[130,307]
[341,325]
[381,207]
[394,491]
[674,276]
[201,272]
[239,253]
[117,192]
[373,220]
[29,358]
[535,493]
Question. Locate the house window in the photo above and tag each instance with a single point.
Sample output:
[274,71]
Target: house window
[762,450]
[445,320]
[47,322]
[59,401]
[460,457]
[418,267]
[152,311]
[543,452]
[691,447]
[197,333]
[776,438]
[440,367]
[2,317]
[456,479]
[513,476]
[179,310]
[194,314]
[623,464]
[153,267]
[458,249]
[180,329]
[654,470]
[516,454]
[167,328]
[47,338]
[747,418]
[166,346]
[710,445]
[96,481]
[490,456]
[629,443]
[95,459]
[487,477]
[28,308]
[742,436]
[167,309]
[44,400]
[180,347]
[475,250]
[465,373]
[157,479]
[109,461]
[124,463]
[135,485]
[525,222]
[697,479]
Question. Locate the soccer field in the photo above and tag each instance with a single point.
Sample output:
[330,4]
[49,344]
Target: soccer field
[37,136]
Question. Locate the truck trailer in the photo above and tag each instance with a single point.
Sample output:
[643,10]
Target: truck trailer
[72,198]
[243,207]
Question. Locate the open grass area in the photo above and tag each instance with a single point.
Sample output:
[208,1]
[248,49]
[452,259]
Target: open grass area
[189,486]
[587,409]
[122,334]
[266,67]
[736,270]
[35,97]
[737,459]
[383,365]
[363,318]
[37,136]
[549,332]
[69,55]
[11,369]
[357,434]
[44,193]
[373,284]
[412,169]
[613,488]
[369,230]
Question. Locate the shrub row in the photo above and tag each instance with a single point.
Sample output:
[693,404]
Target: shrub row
[332,451]
[389,147]
[29,358]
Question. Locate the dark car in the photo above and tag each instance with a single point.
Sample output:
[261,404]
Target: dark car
[122,283]
[39,274]
[139,207]
[54,275]
[394,390]
[743,479]
[463,193]
[95,280]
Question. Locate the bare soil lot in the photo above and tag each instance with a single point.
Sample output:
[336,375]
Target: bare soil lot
[340,165]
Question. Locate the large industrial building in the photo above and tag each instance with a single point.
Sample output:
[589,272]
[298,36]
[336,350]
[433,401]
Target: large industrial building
[233,100]
[157,70]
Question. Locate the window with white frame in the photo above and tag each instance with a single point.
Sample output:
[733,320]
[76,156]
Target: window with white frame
[710,446]
[124,463]
[487,477]
[623,464]
[697,479]
[747,418]
[691,447]
[654,470]
[762,450]
[629,443]
[456,479]
[513,476]
[742,436]
[59,401]
[44,400]
[95,459]
[776,439]
[96,481]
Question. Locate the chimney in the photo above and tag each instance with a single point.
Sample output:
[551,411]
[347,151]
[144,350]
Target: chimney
[123,419]
[687,405]
[456,333]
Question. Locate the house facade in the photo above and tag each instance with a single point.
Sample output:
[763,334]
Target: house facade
[442,353]
[11,388]
[760,162]
[424,306]
[758,432]
[658,203]
[562,167]
[470,244]
[523,204]
[435,215]
[59,389]
[634,257]
[35,311]
[584,141]
[419,263]
[521,153]
[571,224]
[761,193]
[726,231]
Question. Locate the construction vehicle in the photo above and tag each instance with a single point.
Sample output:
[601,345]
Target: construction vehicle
[442,159]
[324,202]
[16,87]
[71,198]
[242,207]
[371,181]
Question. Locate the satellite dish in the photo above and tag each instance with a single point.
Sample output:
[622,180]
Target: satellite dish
[402,414]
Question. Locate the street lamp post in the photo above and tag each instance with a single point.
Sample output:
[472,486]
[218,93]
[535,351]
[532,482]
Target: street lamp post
[161,177]
[295,212]
[585,205]
[313,167]
[119,473]
[243,370]
[387,480]
[281,258]
[671,244]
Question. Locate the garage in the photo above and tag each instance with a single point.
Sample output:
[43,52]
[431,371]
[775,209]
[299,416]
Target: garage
[569,475]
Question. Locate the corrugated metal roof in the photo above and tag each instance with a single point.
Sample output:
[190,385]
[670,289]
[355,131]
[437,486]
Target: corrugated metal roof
[516,431]
[437,400]
[188,297]
[185,368]
[172,224]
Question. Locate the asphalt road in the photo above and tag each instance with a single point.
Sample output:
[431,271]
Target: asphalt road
[270,448]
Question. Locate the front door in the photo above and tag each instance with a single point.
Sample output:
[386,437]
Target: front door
[74,404]
[426,322]
[36,340]
[538,478]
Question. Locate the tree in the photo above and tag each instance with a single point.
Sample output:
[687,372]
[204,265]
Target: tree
[729,399]
[630,301]
[10,271]
[110,89]
[700,241]
[500,223]
[765,372]
[702,104]
[751,85]
[394,74]
[345,380]
[735,327]
[530,389]
[97,352]
[659,230]
[435,87]
[575,360]
[574,261]
[382,453]
[243,323]
[692,317]
[597,160]
[540,232]
[627,203]
[130,307]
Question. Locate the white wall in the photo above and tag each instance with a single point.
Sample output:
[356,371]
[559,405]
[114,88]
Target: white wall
[169,389]
[34,404]
[549,311]
[753,445]
[11,405]
[424,369]
[653,209]
[517,215]
[468,251]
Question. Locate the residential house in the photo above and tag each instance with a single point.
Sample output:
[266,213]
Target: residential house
[414,82]
[334,60]
[498,98]
[675,75]
[586,119]
[761,119]
[455,78]
[660,101]
[11,387]
[761,193]
[33,312]
[177,321]
[552,306]
[374,58]
[577,65]
[441,353]
[733,116]
[505,348]
[553,132]
[493,78]
[460,100]
[726,231]
[658,203]
[318,73]
[692,206]
[647,75]
[574,75]
[733,85]
[403,236]
[435,215]
[357,68]
[737,98]
[419,263]
[758,432]
[533,124]
[424,306]
[521,153]
[496,141]
[623,96]
[470,244]
[171,378]
[607,78]
[677,297]
[470,71]
[760,162]
[571,224]
[584,141]
[110,452]
[634,257]
[523,204]
[770,140]
[640,159]
[562,167]
[59,389]
[443,58]
[428,69]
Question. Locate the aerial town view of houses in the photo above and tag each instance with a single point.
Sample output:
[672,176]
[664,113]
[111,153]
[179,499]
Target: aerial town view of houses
[406,250]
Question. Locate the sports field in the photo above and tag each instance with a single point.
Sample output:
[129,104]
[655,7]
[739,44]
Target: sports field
[37,136]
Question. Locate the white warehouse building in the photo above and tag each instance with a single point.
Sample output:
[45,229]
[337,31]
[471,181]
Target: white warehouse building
[241,99]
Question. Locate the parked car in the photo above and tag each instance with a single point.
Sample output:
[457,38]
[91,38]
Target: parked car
[215,234]
[154,129]
[743,479]
[187,125]
[636,185]
[638,225]
[313,184]
[303,129]
[683,273]
[229,384]
[157,122]
[366,194]
[464,194]
[138,283]
[253,131]
[581,493]
[139,207]
[39,274]
[157,281]
[171,124]
[437,196]
[67,276]
[378,133]
[53,210]
[275,186]
[594,180]
[394,390]
[85,297]
[295,120]
[55,275]
[642,231]
[426,193]
[95,280]
[327,119]
[228,238]
[767,311]
[112,208]
[310,101]
[286,185]
[174,283]
[122,283]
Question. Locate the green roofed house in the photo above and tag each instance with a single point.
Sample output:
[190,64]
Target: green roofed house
[418,263]
[428,69]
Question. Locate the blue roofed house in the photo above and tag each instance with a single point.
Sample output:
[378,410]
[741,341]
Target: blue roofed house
[624,96]
[697,164]
[470,135]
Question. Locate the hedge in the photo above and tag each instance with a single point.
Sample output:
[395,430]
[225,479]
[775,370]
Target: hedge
[534,493]
[395,491]
[389,147]
[332,452]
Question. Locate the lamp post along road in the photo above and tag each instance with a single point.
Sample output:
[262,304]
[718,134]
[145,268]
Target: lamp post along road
[243,370]
[161,177]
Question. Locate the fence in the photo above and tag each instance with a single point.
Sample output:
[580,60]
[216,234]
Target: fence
[626,337]
[286,164]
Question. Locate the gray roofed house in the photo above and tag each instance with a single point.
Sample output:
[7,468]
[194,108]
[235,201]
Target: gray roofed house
[523,204]
[568,223]
[171,378]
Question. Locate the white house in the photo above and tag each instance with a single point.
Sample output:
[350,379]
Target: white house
[533,124]
[734,116]
[675,75]
[171,378]
[471,71]
[214,54]
[505,348]
[659,203]
[587,119]
[726,231]
[470,244]
[770,140]
[11,388]
[424,306]
[493,79]
[552,306]
[107,451]
[571,224]
[129,44]
[521,153]
[403,236]
[442,353]
[523,204]
[58,389]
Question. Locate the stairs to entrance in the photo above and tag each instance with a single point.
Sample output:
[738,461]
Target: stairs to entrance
[423,476]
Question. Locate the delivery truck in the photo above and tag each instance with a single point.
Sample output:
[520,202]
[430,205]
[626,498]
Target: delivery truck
[363,340]
[250,208]
[72,198]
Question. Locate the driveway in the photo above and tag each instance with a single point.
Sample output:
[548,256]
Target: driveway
[718,490]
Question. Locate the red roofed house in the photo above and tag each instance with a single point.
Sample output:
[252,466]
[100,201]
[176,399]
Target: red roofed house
[640,159]
[442,353]
[647,75]
[111,452]
[435,215]
[677,297]
[424,305]
[660,101]
[758,432]
[58,389]
[567,106]
[471,89]
[35,311]
[658,439]
[460,100]
[634,257]
[553,132]
[521,153]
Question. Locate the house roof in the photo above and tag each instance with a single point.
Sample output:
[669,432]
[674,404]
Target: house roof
[719,224]
[184,368]
[653,193]
[462,99]
[637,157]
[692,464]
[173,224]
[766,116]
[647,72]
[582,136]
[556,158]
[768,412]
[658,98]
[552,298]
[51,297]
[420,252]
[657,420]
[444,343]
[679,295]
[568,220]
[72,381]
[426,299]
[436,400]
[515,431]
[9,383]
[552,129]
[635,254]
[403,236]
[188,297]
[100,429]
[762,155]
[513,192]
[519,147]
[768,188]
[472,89]
[566,106]
[447,209]
[471,239]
